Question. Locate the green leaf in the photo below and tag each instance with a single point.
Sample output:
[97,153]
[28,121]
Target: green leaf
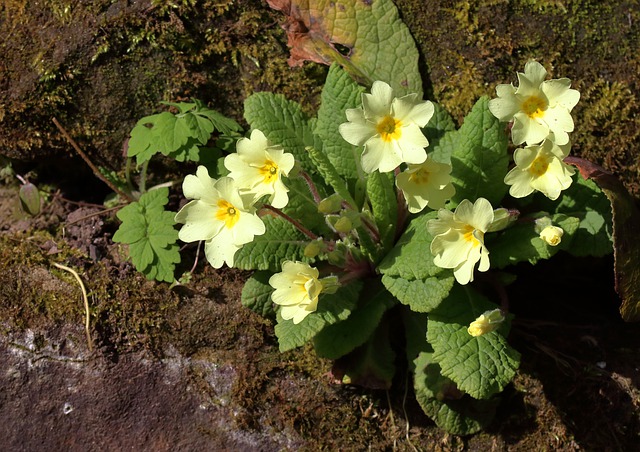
[479,158]
[584,200]
[170,133]
[29,199]
[340,92]
[140,143]
[330,175]
[283,122]
[409,272]
[200,127]
[440,399]
[480,366]
[384,204]
[341,338]
[332,308]
[521,242]
[256,294]
[148,230]
[371,365]
[439,124]
[281,241]
[302,206]
[221,123]
[177,136]
[376,44]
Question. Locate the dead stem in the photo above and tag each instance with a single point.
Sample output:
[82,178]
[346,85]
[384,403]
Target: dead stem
[86,302]
[95,170]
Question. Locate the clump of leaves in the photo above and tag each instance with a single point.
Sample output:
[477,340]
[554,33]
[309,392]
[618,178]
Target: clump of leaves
[181,136]
[148,230]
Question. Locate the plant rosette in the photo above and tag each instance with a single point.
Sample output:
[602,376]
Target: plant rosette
[380,210]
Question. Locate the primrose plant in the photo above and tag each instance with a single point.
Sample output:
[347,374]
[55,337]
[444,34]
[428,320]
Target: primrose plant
[379,228]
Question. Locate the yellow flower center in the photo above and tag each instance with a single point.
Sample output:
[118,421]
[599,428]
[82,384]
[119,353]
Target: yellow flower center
[389,128]
[227,213]
[269,171]
[539,166]
[420,177]
[467,235]
[534,107]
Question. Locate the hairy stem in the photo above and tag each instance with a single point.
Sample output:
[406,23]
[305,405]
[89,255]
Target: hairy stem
[296,223]
[311,185]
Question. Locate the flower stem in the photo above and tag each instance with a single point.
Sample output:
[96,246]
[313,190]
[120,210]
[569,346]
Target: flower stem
[311,185]
[296,223]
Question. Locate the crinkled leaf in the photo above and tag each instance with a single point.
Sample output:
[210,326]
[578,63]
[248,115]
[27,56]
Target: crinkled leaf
[422,295]
[256,294]
[302,206]
[372,365]
[376,44]
[148,230]
[480,366]
[283,122]
[479,157]
[409,272]
[439,124]
[340,92]
[384,204]
[451,410]
[330,174]
[332,308]
[520,242]
[341,338]
[281,241]
[625,225]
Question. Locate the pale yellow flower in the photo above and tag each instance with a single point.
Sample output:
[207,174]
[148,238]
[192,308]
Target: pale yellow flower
[426,184]
[487,322]
[389,128]
[541,168]
[219,215]
[258,167]
[552,235]
[458,238]
[539,108]
[297,288]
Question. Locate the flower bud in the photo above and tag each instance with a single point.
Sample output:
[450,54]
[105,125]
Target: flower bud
[343,225]
[552,235]
[502,218]
[486,323]
[312,249]
[331,204]
[330,284]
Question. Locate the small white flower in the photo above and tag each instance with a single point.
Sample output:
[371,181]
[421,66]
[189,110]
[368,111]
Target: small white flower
[219,215]
[538,107]
[258,168]
[487,322]
[297,288]
[541,168]
[389,128]
[426,184]
[458,238]
[552,235]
